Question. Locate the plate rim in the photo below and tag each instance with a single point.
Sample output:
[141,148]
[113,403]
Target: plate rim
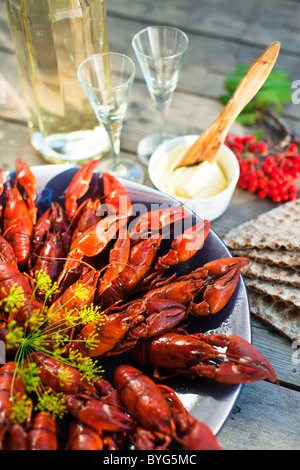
[61,168]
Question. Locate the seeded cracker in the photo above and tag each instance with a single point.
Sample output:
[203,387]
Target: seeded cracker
[267,272]
[276,229]
[279,292]
[277,314]
[272,243]
[280,258]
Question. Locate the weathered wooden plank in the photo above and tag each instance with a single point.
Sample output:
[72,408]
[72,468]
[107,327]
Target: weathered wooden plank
[276,349]
[14,143]
[204,67]
[265,417]
[252,22]
[280,352]
[189,115]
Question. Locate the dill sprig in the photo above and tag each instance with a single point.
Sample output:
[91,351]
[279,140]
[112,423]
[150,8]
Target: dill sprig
[44,285]
[14,300]
[53,404]
[48,332]
[89,368]
[20,409]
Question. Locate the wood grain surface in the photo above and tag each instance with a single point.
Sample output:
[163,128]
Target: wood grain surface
[222,33]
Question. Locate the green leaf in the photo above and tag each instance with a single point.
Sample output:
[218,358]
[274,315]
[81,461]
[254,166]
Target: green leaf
[269,97]
[258,133]
[275,91]
[224,99]
[241,69]
[231,82]
[276,74]
[278,108]
[246,119]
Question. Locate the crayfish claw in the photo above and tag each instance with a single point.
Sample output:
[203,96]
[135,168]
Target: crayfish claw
[243,364]
[217,294]
[185,246]
[199,437]
[116,197]
[79,186]
[250,356]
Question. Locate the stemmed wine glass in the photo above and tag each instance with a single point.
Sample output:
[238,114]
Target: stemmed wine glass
[107,80]
[160,51]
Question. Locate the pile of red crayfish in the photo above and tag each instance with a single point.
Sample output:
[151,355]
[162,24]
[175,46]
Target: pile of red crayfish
[146,309]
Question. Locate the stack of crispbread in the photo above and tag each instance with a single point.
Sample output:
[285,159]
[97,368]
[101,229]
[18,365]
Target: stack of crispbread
[271,241]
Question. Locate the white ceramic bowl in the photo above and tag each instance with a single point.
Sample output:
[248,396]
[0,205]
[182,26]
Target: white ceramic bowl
[209,208]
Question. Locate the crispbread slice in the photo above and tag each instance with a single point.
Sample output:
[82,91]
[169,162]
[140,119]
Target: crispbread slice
[267,272]
[277,314]
[276,229]
[279,292]
[282,258]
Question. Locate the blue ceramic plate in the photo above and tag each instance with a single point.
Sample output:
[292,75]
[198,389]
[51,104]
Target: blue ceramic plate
[206,400]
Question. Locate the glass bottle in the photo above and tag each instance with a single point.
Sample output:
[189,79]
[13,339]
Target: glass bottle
[51,39]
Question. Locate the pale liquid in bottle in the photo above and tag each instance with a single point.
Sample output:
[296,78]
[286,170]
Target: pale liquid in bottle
[52,38]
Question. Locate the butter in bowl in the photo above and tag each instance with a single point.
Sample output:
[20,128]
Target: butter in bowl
[204,188]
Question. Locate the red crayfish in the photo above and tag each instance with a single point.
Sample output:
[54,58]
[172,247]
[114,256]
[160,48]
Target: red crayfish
[123,265]
[160,415]
[11,389]
[201,355]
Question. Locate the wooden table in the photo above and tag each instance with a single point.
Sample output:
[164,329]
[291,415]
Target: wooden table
[222,33]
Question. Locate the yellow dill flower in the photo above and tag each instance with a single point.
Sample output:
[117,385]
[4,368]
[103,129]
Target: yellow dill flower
[89,369]
[20,409]
[14,300]
[44,284]
[15,335]
[29,374]
[52,404]
[82,292]
[91,314]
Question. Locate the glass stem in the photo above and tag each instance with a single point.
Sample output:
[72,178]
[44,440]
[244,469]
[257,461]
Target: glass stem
[162,108]
[114,134]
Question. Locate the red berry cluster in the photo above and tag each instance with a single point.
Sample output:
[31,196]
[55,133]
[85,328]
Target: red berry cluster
[268,174]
